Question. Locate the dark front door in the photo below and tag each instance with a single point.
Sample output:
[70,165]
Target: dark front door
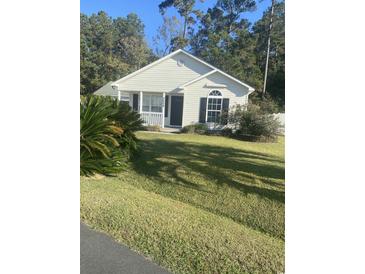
[176,110]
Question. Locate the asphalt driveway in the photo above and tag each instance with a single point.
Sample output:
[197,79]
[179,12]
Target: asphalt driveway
[100,254]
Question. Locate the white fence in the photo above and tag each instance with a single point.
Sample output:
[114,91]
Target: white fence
[152,118]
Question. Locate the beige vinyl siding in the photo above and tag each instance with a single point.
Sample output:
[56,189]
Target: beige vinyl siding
[178,69]
[236,93]
[166,76]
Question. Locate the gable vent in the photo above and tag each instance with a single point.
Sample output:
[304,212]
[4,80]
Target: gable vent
[180,62]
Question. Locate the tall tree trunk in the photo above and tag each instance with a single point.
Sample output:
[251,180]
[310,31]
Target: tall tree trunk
[268,47]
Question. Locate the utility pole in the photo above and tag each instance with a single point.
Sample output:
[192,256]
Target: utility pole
[268,47]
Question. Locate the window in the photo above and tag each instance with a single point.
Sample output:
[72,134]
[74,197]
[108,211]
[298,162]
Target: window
[215,93]
[214,108]
[156,103]
[152,103]
[146,103]
[123,96]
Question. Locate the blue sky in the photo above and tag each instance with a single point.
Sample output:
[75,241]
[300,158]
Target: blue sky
[148,11]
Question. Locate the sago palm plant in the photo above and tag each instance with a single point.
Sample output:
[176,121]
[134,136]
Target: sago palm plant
[130,121]
[99,145]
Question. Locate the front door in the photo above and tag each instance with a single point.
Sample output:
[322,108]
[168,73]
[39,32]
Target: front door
[177,103]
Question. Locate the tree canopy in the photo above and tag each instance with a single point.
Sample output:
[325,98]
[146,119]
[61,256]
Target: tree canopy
[110,48]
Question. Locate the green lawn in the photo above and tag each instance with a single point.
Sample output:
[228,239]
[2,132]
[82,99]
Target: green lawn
[196,204]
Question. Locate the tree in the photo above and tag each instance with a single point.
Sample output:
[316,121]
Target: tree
[166,34]
[110,48]
[130,43]
[98,63]
[186,10]
[276,65]
[233,10]
[224,40]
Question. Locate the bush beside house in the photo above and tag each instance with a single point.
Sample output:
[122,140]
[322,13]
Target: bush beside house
[246,122]
[196,128]
[130,121]
[107,136]
[251,123]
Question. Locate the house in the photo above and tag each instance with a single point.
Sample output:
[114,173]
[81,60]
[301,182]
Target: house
[178,90]
[108,90]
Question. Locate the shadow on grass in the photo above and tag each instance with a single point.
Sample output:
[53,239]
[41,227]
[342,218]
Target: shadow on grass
[161,159]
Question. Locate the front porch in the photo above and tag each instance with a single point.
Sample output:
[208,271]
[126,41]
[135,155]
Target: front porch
[153,118]
[157,108]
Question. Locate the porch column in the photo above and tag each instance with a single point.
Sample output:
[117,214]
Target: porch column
[163,109]
[119,95]
[140,101]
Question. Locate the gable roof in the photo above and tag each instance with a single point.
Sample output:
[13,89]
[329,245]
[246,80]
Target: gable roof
[214,70]
[197,79]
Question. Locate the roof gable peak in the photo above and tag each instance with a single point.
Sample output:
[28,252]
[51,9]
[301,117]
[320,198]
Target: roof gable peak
[170,55]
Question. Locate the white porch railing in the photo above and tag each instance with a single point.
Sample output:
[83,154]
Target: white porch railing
[152,118]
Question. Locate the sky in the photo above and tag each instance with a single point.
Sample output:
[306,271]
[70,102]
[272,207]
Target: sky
[149,13]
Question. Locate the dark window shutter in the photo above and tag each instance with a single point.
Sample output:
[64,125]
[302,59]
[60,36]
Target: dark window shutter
[203,108]
[166,105]
[225,109]
[135,102]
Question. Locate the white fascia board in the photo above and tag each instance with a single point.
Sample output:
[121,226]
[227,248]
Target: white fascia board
[199,60]
[197,79]
[148,66]
[236,80]
[218,70]
[250,89]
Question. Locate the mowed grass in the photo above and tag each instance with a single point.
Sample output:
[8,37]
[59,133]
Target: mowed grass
[196,204]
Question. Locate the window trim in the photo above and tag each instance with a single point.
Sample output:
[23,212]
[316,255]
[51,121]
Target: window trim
[213,97]
[150,103]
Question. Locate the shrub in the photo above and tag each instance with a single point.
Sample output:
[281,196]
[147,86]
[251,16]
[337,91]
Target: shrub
[226,132]
[107,136]
[267,104]
[252,124]
[130,121]
[195,129]
[99,146]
